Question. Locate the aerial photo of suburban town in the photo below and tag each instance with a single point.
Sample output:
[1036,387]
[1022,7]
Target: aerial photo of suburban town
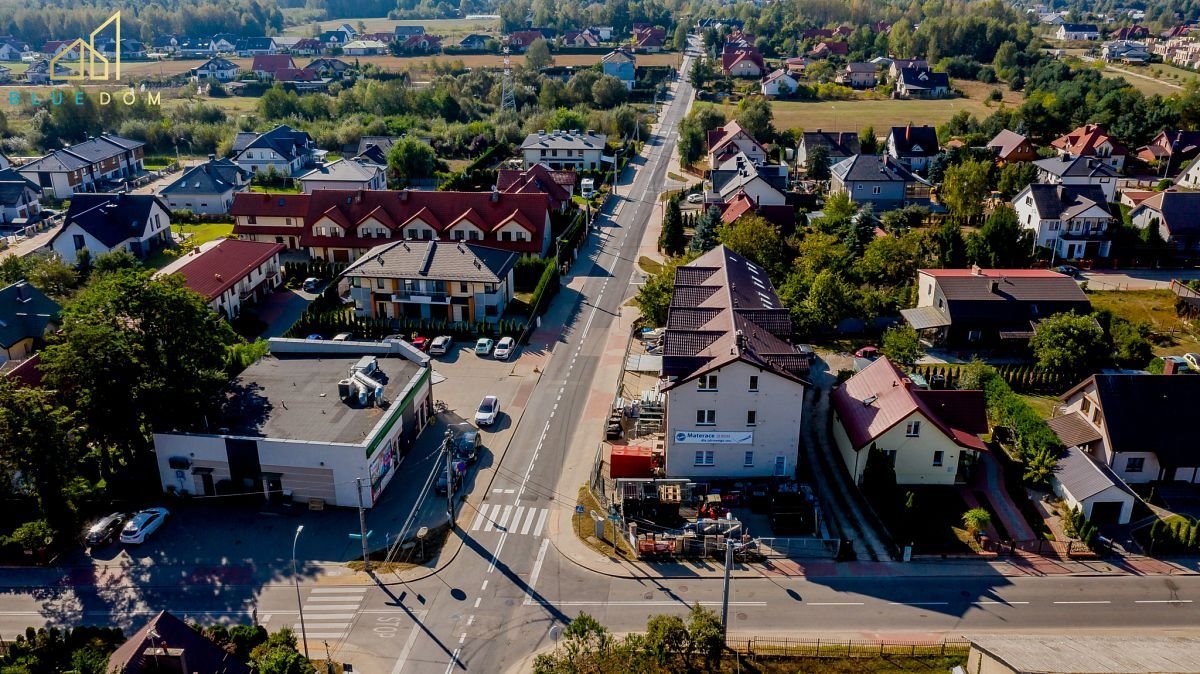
[599,336]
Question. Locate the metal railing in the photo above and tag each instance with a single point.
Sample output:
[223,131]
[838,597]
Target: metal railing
[832,648]
[799,548]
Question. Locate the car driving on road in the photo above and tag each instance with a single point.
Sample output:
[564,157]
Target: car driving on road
[488,412]
[142,524]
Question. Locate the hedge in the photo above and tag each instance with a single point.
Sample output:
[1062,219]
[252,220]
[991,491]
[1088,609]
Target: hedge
[1177,534]
[480,167]
[1038,445]
[330,322]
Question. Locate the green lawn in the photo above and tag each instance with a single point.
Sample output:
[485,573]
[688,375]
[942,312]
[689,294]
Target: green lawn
[1171,335]
[196,235]
[264,189]
[881,114]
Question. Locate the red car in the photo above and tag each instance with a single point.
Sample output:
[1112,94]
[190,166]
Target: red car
[868,352]
[421,343]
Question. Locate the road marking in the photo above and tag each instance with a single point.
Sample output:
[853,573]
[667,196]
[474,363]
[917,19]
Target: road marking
[319,635]
[326,626]
[537,531]
[477,600]
[498,490]
[988,602]
[918,603]
[330,607]
[681,603]
[484,586]
[834,603]
[491,518]
[462,637]
[328,616]
[471,619]
[478,522]
[1083,602]
[337,590]
[453,660]
[338,598]
[265,619]
[528,521]
[516,520]
[1162,601]
[537,571]
[408,644]
[504,517]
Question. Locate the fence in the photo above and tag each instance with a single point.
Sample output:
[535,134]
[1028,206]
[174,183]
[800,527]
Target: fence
[824,648]
[1045,548]
[799,548]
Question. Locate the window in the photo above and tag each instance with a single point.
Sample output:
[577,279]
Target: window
[251,220]
[751,417]
[708,382]
[458,235]
[505,236]
[474,235]
[706,417]
[379,283]
[890,455]
[1135,464]
[705,457]
[974,335]
[912,429]
[1054,226]
[80,244]
[1086,406]
[875,189]
[753,382]
[937,457]
[748,460]
[462,287]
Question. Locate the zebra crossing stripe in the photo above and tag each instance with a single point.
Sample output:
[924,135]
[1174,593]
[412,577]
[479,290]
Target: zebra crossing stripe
[528,520]
[541,521]
[504,517]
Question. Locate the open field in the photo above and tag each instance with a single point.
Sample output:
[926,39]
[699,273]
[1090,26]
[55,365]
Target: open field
[450,29]
[1171,335]
[1142,80]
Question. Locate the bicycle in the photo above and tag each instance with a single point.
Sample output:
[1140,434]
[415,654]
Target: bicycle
[440,407]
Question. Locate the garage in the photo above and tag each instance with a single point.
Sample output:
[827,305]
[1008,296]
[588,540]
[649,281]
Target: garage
[1094,488]
[1106,512]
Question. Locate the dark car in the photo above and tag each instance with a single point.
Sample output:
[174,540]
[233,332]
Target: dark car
[443,480]
[105,530]
[467,444]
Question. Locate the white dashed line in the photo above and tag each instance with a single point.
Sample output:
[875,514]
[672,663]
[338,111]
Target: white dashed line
[1084,602]
[477,601]
[484,586]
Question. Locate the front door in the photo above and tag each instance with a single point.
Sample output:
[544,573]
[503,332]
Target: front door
[780,466]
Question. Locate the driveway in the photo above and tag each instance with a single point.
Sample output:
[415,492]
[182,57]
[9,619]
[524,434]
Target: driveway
[1136,279]
[282,309]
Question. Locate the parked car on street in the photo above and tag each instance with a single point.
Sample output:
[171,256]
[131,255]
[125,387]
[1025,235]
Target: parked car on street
[467,443]
[488,412]
[311,284]
[1193,361]
[142,524]
[105,530]
[484,346]
[695,198]
[440,345]
[444,478]
[505,348]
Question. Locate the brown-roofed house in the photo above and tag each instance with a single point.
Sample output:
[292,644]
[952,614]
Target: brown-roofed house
[167,644]
[930,437]
[1010,146]
[539,178]
[230,272]
[726,141]
[1091,140]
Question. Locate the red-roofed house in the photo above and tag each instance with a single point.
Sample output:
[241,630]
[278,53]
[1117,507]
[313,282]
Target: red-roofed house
[742,62]
[520,40]
[827,49]
[342,225]
[780,215]
[1091,140]
[266,66]
[726,141]
[539,179]
[229,273]
[930,437]
[649,38]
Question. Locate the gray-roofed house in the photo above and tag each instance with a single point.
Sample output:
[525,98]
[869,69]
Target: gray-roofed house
[1138,437]
[345,174]
[139,223]
[216,68]
[1177,217]
[564,149]
[914,83]
[283,148]
[1077,31]
[1083,483]
[475,41]
[762,183]
[874,179]
[1112,653]
[433,280]
[207,188]
[1072,220]
[38,72]
[255,46]
[838,145]
[1065,170]
[989,307]
[404,32]
[913,146]
[859,75]
[26,314]
[20,198]
[328,67]
[96,164]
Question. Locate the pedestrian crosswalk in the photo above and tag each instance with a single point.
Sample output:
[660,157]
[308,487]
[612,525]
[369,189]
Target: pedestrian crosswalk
[513,519]
[329,611]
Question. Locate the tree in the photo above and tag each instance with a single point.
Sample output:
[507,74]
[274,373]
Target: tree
[818,163]
[51,275]
[1001,242]
[608,92]
[752,237]
[868,142]
[754,115]
[1014,177]
[830,299]
[538,56]
[976,520]
[671,241]
[706,636]
[680,40]
[279,655]
[704,236]
[409,159]
[654,297]
[902,344]
[964,189]
[702,72]
[949,244]
[1131,343]
[1070,345]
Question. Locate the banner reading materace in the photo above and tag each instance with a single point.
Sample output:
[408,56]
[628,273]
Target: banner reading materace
[714,437]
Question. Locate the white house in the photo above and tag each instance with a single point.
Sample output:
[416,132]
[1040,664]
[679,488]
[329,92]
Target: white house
[1190,177]
[1077,31]
[345,174]
[1078,172]
[229,273]
[727,141]
[1176,215]
[20,198]
[283,148]
[139,223]
[1071,220]
[1083,483]
[564,149]
[218,69]
[929,437]
[735,383]
[779,83]
[314,417]
[208,188]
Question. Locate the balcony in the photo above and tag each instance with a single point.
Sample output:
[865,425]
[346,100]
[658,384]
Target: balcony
[421,298]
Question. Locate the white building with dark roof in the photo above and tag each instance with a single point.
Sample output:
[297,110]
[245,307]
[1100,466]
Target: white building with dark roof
[345,174]
[283,148]
[96,164]
[208,188]
[565,149]
[1078,171]
[1072,220]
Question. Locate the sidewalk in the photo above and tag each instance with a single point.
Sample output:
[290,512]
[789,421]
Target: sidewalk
[30,245]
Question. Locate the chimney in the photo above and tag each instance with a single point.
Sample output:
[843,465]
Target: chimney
[740,338]
[404,195]
[23,292]
[495,194]
[1170,365]
[994,285]
[212,157]
[976,271]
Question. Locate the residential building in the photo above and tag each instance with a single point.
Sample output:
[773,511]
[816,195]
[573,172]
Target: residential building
[763,183]
[740,203]
[265,66]
[735,382]
[897,65]
[621,65]
[914,83]
[283,149]
[930,437]
[878,180]
[1073,221]
[726,141]
[99,163]
[224,43]
[519,41]
[830,48]
[26,314]
[913,146]
[1176,215]
[101,223]
[989,307]
[373,149]
[198,47]
[328,67]
[649,39]
[581,38]
[742,62]
[217,68]
[1093,142]
[342,225]
[1009,147]
[858,75]
[405,31]
[5,74]
[1078,171]
[565,149]
[166,643]
[13,49]
[1120,413]
[838,145]
[230,273]
[1077,31]
[1125,51]
[431,280]
[305,423]
[1177,146]
[208,188]
[796,65]
[558,186]
[1190,177]
[344,174]
[1084,483]
[1134,32]
[38,72]
[779,83]
[255,46]
[1070,654]
[302,79]
[20,198]
[372,47]
[307,46]
[475,41]
[1053,19]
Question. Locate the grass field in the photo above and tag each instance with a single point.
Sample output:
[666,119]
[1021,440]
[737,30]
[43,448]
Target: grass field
[1171,335]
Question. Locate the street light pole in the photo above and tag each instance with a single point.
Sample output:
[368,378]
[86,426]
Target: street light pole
[299,605]
[362,526]
[725,593]
[449,477]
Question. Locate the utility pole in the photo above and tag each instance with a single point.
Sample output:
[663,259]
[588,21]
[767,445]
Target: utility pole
[362,526]
[725,593]
[449,477]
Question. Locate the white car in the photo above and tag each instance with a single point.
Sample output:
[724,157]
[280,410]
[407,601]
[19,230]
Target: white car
[1193,361]
[488,412]
[440,345]
[695,198]
[504,348]
[143,524]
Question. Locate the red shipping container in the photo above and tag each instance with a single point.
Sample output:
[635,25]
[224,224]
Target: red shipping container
[628,461]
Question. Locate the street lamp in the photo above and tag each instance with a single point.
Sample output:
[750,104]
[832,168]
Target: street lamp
[299,605]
